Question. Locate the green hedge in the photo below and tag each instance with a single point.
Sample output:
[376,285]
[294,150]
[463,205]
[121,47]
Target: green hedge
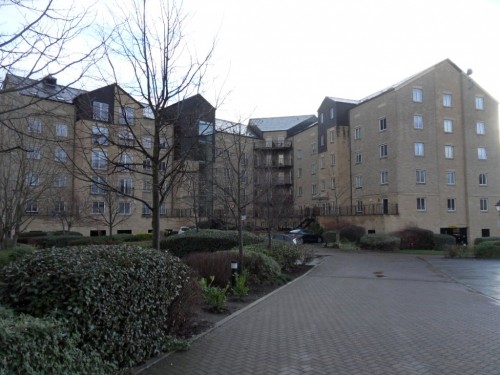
[352,233]
[479,240]
[413,238]
[487,249]
[379,241]
[285,254]
[61,240]
[206,240]
[32,346]
[117,297]
[443,241]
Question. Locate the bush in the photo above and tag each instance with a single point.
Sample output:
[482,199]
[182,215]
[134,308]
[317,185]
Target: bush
[487,249]
[213,295]
[66,233]
[9,255]
[330,237]
[207,240]
[30,345]
[117,297]
[379,241]
[479,240]
[443,241]
[414,238]
[352,233]
[262,269]
[34,233]
[287,255]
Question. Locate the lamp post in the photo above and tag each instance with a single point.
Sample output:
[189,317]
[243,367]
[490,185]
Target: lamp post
[497,207]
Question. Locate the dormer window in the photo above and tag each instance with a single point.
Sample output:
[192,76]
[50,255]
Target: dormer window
[100,111]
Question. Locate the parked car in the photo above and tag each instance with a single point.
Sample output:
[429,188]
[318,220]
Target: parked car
[308,236]
[183,229]
[296,240]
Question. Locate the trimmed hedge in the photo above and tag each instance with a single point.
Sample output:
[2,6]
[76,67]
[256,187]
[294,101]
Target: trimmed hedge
[117,297]
[206,240]
[479,240]
[285,254]
[77,240]
[32,346]
[352,233]
[413,238]
[379,241]
[487,249]
[443,241]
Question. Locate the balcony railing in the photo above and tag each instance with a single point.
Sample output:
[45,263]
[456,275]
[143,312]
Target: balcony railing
[272,145]
[355,210]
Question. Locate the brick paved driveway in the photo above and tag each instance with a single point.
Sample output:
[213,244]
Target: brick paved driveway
[357,314]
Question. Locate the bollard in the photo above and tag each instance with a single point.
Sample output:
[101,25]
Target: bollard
[234,270]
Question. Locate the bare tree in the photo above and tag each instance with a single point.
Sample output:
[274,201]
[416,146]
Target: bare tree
[148,44]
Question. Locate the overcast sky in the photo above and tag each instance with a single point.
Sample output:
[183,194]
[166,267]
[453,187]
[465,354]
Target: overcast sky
[282,57]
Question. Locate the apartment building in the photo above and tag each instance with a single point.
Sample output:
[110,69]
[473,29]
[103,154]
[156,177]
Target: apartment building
[84,160]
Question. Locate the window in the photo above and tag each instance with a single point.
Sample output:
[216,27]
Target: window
[60,154]
[383,151]
[281,160]
[450,178]
[333,183]
[299,172]
[384,177]
[59,207]
[98,185]
[32,207]
[332,113]
[418,121]
[419,149]
[314,189]
[420,176]
[299,191]
[322,162]
[417,95]
[33,179]
[479,103]
[60,180]
[126,116]
[125,186]
[332,159]
[163,210]
[483,179]
[146,211]
[61,130]
[322,140]
[100,135]
[299,154]
[421,206]
[226,172]
[34,125]
[357,133]
[358,157]
[34,153]
[483,204]
[359,207]
[281,141]
[449,152]
[314,168]
[147,142]
[314,148]
[147,185]
[126,162]
[146,164]
[162,166]
[269,142]
[448,126]
[269,159]
[323,185]
[100,111]
[332,136]
[124,208]
[451,205]
[481,153]
[382,124]
[125,138]
[99,159]
[98,207]
[321,118]
[447,100]
[480,128]
[163,143]
[205,128]
[358,182]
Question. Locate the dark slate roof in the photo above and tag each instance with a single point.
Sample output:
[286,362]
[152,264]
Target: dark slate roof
[46,88]
[269,124]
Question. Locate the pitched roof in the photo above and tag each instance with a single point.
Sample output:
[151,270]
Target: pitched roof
[279,123]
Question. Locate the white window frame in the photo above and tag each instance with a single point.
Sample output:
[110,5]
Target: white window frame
[99,159]
[417,95]
[384,177]
[100,111]
[32,179]
[382,124]
[357,133]
[147,164]
[420,176]
[421,204]
[383,151]
[147,142]
[418,121]
[299,172]
[447,100]
[481,153]
[146,211]
[60,180]
[333,159]
[34,152]
[96,187]
[322,162]
[314,189]
[124,208]
[61,130]
[126,116]
[100,135]
[332,113]
[126,186]
[34,125]
[448,125]
[59,207]
[299,191]
[479,102]
[332,136]
[450,177]
[98,207]
[451,204]
[60,154]
[483,204]
[480,128]
[419,148]
[483,179]
[449,152]
[31,207]
[314,148]
[358,182]
[358,157]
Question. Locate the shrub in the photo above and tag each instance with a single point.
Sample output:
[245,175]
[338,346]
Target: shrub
[9,255]
[213,295]
[30,345]
[117,297]
[65,233]
[443,241]
[487,249]
[183,307]
[240,288]
[479,240]
[207,240]
[379,241]
[413,238]
[330,236]
[352,233]
[34,233]
[262,268]
[457,251]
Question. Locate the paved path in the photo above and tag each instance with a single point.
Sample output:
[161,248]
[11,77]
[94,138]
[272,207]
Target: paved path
[357,314]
